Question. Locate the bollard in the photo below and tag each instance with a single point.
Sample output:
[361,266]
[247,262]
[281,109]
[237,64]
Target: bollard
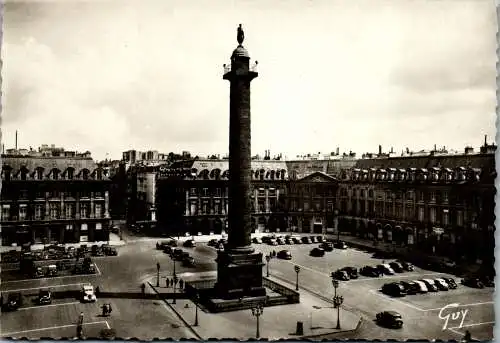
[300,329]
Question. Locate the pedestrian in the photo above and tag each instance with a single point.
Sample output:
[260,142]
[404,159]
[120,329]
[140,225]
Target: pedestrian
[167,281]
[109,308]
[467,336]
[181,284]
[172,282]
[143,288]
[97,291]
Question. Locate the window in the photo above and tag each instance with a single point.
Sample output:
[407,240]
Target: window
[192,192]
[370,193]
[410,195]
[205,208]
[205,192]
[84,210]
[409,212]
[38,211]
[23,194]
[6,174]
[262,192]
[218,207]
[69,227]
[445,196]
[39,174]
[432,214]
[69,211]
[70,173]
[460,218]
[84,194]
[433,196]
[262,206]
[40,195]
[193,209]
[421,196]
[22,212]
[84,227]
[218,192]
[98,226]
[54,194]
[421,214]
[54,211]
[98,210]
[362,193]
[6,212]
[445,218]
[306,206]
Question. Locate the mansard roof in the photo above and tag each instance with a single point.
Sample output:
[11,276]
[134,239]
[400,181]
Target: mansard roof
[49,165]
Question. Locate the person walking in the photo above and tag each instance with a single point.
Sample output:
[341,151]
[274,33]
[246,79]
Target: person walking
[467,336]
[181,284]
[167,282]
[143,289]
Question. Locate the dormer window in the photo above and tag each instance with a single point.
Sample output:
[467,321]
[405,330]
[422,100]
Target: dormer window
[6,174]
[69,173]
[85,174]
[39,174]
[55,174]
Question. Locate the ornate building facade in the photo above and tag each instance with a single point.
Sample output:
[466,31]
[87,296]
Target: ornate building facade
[53,200]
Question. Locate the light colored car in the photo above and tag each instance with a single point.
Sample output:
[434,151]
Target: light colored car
[422,287]
[88,294]
[388,269]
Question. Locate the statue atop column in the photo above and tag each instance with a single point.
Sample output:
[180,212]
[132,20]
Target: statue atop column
[241,35]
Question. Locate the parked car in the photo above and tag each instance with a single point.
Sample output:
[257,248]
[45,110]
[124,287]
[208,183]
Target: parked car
[289,240]
[406,265]
[161,245]
[431,287]
[351,271]
[189,243]
[111,251]
[280,240]
[96,251]
[284,255]
[341,275]
[317,252]
[319,239]
[52,270]
[441,284]
[306,240]
[168,249]
[14,301]
[188,261]
[87,294]
[37,272]
[313,239]
[451,282]
[397,267]
[487,280]
[410,287]
[296,240]
[172,243]
[385,269]
[256,240]
[394,289]
[369,271]
[177,254]
[472,281]
[390,319]
[272,241]
[422,287]
[327,246]
[340,245]
[44,297]
[214,243]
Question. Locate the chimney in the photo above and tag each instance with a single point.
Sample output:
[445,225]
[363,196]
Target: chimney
[485,140]
[338,151]
[16,139]
[380,149]
[392,150]
[435,147]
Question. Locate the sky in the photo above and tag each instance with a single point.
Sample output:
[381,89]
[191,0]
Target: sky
[109,76]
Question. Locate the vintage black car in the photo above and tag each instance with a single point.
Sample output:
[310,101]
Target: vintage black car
[410,287]
[14,301]
[394,289]
[397,267]
[306,240]
[390,319]
[340,245]
[284,255]
[327,246]
[44,297]
[319,239]
[289,240]
[296,240]
[352,271]
[451,282]
[109,250]
[214,243]
[341,275]
[97,251]
[472,281]
[188,261]
[369,271]
[406,265]
[256,240]
[189,243]
[317,252]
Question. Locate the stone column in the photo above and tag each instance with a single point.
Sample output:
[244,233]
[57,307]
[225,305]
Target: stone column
[106,204]
[91,204]
[47,213]
[188,210]
[267,200]
[63,212]
[256,200]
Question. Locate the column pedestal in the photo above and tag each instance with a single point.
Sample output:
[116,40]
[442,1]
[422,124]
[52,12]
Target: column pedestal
[239,275]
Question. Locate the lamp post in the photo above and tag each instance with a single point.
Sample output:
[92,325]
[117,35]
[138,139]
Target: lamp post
[257,312]
[158,274]
[297,270]
[196,298]
[337,301]
[268,258]
[175,284]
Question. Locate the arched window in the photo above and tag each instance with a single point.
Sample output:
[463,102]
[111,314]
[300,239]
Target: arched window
[85,174]
[24,173]
[6,173]
[39,173]
[70,173]
[272,174]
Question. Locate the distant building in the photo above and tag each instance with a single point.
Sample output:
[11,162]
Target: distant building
[53,199]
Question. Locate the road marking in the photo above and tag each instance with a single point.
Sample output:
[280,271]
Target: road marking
[51,328]
[307,268]
[107,325]
[98,270]
[474,324]
[400,276]
[396,300]
[55,286]
[51,305]
[463,305]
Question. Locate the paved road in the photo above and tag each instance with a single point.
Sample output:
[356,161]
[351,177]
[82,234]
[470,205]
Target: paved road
[136,263]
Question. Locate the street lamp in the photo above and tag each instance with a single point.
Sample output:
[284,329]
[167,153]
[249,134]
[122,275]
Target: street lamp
[157,274]
[337,301]
[268,258]
[257,312]
[196,298]
[175,284]
[297,270]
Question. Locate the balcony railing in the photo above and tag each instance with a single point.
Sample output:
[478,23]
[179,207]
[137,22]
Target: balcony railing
[253,67]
